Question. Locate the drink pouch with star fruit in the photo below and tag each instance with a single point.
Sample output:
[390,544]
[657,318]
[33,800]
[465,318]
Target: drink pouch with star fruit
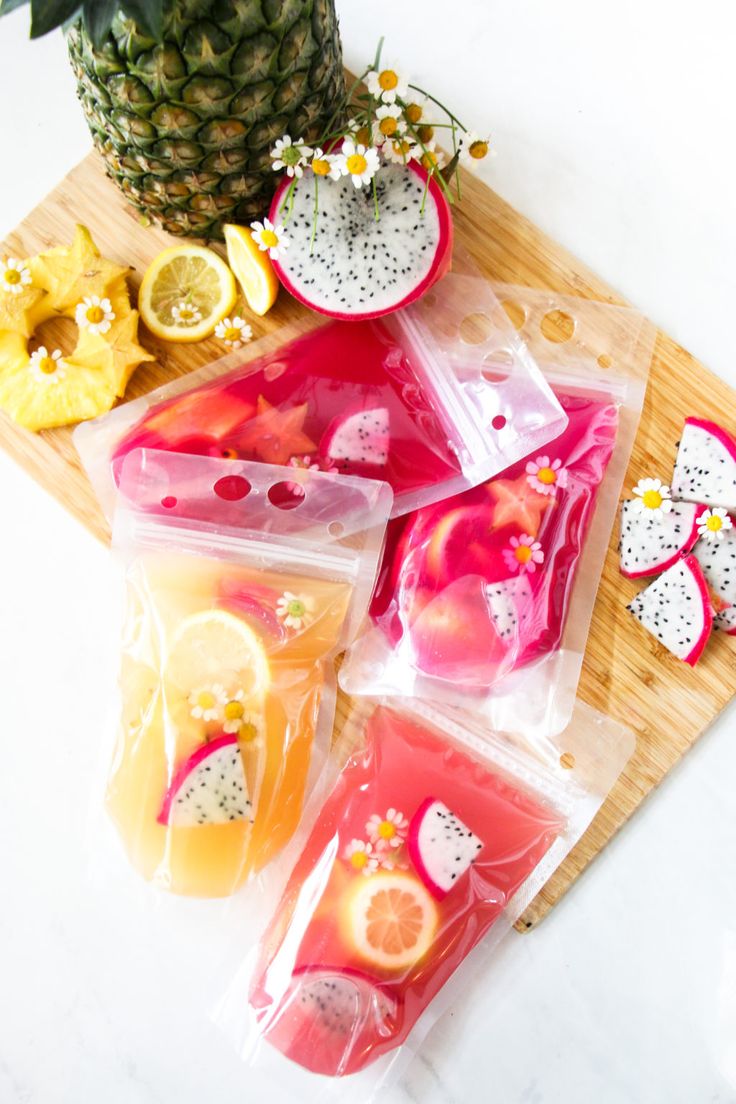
[484,600]
[243,582]
[403,399]
[437,834]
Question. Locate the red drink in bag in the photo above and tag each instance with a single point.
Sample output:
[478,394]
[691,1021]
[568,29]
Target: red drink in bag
[415,854]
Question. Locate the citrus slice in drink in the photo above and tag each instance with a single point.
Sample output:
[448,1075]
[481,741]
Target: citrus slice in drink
[185,292]
[253,268]
[215,647]
[391,919]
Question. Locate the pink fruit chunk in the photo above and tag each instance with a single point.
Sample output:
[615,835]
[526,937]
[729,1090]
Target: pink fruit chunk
[705,468]
[354,266]
[441,847]
[361,438]
[676,608]
[208,788]
[649,545]
[255,604]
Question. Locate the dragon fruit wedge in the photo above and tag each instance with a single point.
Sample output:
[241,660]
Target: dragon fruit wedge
[354,265]
[676,608]
[208,788]
[718,561]
[705,468]
[441,847]
[650,545]
[361,437]
[509,604]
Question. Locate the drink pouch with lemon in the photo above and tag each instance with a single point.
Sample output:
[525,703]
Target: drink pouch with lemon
[243,582]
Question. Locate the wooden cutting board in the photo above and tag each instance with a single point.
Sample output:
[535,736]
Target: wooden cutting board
[627,674]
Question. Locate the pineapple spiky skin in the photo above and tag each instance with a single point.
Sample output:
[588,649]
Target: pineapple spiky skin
[185,125]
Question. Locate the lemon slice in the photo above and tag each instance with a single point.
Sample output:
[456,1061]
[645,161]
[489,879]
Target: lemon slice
[185,292]
[252,267]
[391,919]
[215,647]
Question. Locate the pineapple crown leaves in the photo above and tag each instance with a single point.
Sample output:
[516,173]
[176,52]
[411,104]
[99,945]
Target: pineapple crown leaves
[97,15]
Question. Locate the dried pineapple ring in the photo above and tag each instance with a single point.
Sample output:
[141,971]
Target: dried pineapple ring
[43,390]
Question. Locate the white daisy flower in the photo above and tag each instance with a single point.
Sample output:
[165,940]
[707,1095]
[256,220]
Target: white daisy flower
[388,830]
[14,276]
[415,108]
[295,610]
[473,148]
[401,150]
[292,156]
[94,314]
[387,85]
[652,497]
[233,331]
[524,554]
[713,523]
[360,856]
[546,475]
[47,367]
[432,157]
[208,702]
[358,162]
[186,314]
[388,124]
[249,726]
[269,238]
[325,164]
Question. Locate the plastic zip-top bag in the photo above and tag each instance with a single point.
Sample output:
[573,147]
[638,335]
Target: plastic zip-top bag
[485,599]
[435,837]
[241,587]
[395,399]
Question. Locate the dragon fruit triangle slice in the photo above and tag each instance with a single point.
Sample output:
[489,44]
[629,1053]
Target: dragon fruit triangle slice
[208,788]
[705,468]
[649,545]
[441,847]
[718,561]
[676,608]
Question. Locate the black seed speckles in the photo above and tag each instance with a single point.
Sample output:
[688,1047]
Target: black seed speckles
[649,544]
[705,468]
[675,609]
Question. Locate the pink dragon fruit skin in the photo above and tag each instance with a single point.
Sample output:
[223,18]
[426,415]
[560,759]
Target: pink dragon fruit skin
[676,609]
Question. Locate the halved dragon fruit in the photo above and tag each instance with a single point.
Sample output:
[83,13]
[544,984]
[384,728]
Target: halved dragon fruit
[357,266]
[649,545]
[718,561]
[208,788]
[441,847]
[360,437]
[676,608]
[705,468]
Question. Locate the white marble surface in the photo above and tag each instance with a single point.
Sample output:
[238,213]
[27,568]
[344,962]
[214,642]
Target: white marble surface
[614,126]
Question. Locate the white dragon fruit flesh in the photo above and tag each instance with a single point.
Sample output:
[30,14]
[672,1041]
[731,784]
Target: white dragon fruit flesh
[441,847]
[208,788]
[508,602]
[649,545]
[359,437]
[705,468]
[718,561]
[676,608]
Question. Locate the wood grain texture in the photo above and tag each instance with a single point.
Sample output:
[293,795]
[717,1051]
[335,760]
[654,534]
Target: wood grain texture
[627,674]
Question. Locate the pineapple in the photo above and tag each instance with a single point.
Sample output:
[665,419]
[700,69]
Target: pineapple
[184,98]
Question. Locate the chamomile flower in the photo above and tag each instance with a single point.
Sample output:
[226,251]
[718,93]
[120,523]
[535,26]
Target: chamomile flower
[325,164]
[360,856]
[186,314]
[295,610]
[14,276]
[233,331]
[358,162]
[473,148]
[248,725]
[47,367]
[269,238]
[388,830]
[252,729]
[208,702]
[524,554]
[387,85]
[94,314]
[652,497]
[546,475]
[415,108]
[292,156]
[401,150]
[713,523]
[388,123]
[432,158]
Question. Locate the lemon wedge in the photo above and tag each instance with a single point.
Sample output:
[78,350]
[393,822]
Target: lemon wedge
[252,267]
[185,292]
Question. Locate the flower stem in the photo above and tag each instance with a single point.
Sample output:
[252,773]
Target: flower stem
[377,58]
[439,104]
[375,198]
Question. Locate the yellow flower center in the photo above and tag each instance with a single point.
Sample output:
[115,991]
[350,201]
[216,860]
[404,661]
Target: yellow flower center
[413,113]
[359,859]
[247,732]
[185,314]
[387,79]
[429,160]
[234,711]
[652,500]
[714,523]
[547,475]
[356,164]
[363,136]
[478,150]
[95,315]
[426,133]
[269,239]
[523,553]
[388,126]
[232,333]
[296,607]
[47,365]
[320,167]
[12,276]
[402,147]
[205,700]
[386,829]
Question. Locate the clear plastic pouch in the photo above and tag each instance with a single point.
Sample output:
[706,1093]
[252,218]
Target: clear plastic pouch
[436,835]
[485,599]
[395,399]
[241,587]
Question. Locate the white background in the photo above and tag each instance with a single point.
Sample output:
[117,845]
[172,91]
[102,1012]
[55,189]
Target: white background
[614,126]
